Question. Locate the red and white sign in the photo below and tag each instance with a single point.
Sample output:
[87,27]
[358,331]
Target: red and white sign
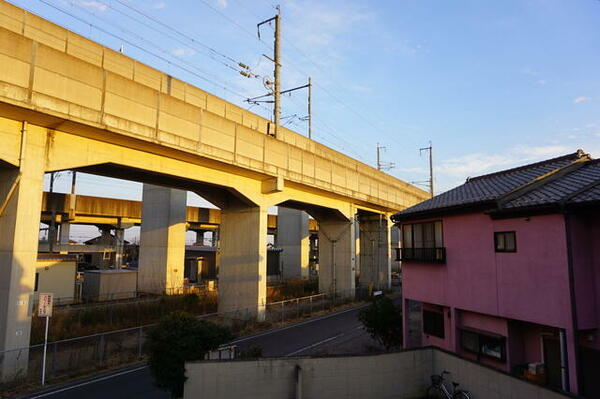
[45,305]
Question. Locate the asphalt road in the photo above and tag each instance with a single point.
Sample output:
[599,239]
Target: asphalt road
[339,332]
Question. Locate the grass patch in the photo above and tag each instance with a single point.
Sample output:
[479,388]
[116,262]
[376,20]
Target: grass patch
[77,322]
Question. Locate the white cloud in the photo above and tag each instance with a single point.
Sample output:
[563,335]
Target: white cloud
[542,151]
[534,74]
[159,5]
[581,99]
[182,52]
[473,164]
[453,172]
[222,3]
[318,28]
[99,6]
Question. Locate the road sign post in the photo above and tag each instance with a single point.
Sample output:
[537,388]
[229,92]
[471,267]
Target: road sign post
[45,310]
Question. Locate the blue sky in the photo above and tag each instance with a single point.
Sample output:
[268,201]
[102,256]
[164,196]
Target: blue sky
[493,84]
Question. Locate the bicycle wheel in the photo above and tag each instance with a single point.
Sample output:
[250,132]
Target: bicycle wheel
[435,392]
[461,395]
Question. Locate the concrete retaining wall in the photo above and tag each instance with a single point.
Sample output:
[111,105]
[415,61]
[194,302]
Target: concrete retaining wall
[485,382]
[397,375]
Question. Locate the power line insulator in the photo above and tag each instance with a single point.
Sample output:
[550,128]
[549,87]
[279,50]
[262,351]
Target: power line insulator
[246,74]
[242,65]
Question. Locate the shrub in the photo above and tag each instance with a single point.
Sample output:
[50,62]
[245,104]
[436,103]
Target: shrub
[253,352]
[383,321]
[180,337]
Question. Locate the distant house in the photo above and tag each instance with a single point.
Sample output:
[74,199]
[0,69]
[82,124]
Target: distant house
[105,250]
[507,269]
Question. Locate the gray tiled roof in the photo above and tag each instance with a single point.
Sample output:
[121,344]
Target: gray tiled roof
[562,189]
[489,189]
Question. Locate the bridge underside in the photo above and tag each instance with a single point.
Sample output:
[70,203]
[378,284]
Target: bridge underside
[243,199]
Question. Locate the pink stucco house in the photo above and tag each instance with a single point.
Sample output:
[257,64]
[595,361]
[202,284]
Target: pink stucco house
[506,269]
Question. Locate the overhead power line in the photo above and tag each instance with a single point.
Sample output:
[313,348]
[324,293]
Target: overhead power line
[237,66]
[380,164]
[246,31]
[346,105]
[141,48]
[150,44]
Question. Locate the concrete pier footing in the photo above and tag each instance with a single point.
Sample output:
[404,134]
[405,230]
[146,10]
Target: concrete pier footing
[375,261]
[20,207]
[162,240]
[243,269]
[293,238]
[65,232]
[119,247]
[337,256]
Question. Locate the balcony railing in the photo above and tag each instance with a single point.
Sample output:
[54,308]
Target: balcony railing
[425,255]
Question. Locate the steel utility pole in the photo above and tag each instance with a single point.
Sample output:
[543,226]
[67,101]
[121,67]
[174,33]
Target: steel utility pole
[277,69]
[309,108]
[430,149]
[383,165]
[52,177]
[277,83]
[276,92]
[73,181]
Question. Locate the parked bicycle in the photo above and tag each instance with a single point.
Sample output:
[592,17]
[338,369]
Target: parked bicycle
[438,389]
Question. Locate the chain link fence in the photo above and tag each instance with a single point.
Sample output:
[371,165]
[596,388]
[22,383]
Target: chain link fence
[76,357]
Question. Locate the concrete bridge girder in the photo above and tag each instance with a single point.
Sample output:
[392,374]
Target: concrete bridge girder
[233,192]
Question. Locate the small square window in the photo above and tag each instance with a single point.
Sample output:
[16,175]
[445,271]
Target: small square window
[433,323]
[505,241]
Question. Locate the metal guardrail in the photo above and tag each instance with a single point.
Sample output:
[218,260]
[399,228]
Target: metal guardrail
[199,289]
[79,356]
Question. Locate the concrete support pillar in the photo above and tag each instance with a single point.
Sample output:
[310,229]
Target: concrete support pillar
[65,231]
[119,247]
[106,240]
[20,207]
[52,233]
[375,261]
[215,237]
[243,268]
[337,256]
[292,237]
[200,237]
[162,240]
[394,243]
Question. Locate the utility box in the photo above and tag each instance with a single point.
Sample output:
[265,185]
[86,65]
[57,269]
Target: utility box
[56,274]
[106,285]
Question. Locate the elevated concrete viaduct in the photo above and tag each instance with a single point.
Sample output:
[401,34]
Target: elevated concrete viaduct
[67,103]
[61,211]
[69,209]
